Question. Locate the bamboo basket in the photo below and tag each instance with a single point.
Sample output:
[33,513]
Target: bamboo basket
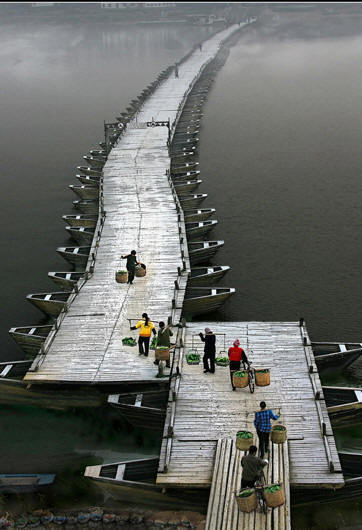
[140,271]
[247,504]
[274,499]
[240,382]
[243,444]
[121,276]
[262,379]
[162,355]
[278,437]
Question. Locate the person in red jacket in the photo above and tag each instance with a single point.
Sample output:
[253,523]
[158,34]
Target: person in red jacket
[236,355]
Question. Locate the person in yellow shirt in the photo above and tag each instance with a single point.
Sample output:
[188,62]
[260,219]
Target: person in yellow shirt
[146,328]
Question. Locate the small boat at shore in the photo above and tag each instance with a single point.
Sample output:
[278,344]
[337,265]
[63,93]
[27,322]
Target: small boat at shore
[184,168]
[192,201]
[24,483]
[195,215]
[143,409]
[344,404]
[181,155]
[352,488]
[86,206]
[30,338]
[89,180]
[327,354]
[82,235]
[66,280]
[50,303]
[200,300]
[85,192]
[89,220]
[95,162]
[202,251]
[199,229]
[98,153]
[129,473]
[90,171]
[77,256]
[187,175]
[187,186]
[206,275]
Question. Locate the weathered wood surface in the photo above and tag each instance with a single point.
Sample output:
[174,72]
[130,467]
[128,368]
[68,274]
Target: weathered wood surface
[223,512]
[206,408]
[141,215]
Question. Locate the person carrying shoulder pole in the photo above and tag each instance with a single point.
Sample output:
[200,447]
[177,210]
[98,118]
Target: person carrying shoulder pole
[163,339]
[252,468]
[209,350]
[131,265]
[263,426]
[236,355]
[145,333]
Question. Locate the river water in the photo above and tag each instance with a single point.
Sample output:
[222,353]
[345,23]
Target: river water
[280,161]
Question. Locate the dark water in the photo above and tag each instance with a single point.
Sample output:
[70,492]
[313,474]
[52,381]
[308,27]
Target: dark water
[280,160]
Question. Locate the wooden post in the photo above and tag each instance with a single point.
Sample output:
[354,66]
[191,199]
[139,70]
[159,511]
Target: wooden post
[301,322]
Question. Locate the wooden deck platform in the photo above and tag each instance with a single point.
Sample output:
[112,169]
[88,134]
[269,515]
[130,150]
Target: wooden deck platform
[223,512]
[203,408]
[140,214]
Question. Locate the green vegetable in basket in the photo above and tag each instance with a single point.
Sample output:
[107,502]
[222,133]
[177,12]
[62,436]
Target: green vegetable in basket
[262,371]
[153,343]
[193,357]
[222,361]
[129,341]
[272,489]
[278,428]
[163,347]
[122,272]
[240,374]
[245,493]
[246,435]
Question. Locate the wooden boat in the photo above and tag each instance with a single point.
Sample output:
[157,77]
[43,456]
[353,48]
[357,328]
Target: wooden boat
[184,168]
[206,275]
[50,303]
[328,354]
[90,171]
[188,175]
[30,338]
[85,192]
[192,201]
[98,153]
[186,186]
[89,180]
[82,235]
[199,229]
[352,488]
[344,404]
[351,463]
[77,256]
[86,206]
[130,472]
[177,156]
[146,410]
[66,280]
[24,483]
[89,220]
[13,371]
[95,162]
[199,300]
[181,150]
[202,251]
[184,144]
[195,215]
[181,135]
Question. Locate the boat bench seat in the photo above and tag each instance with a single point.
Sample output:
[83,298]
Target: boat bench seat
[18,481]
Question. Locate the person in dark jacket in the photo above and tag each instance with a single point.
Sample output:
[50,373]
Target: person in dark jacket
[131,265]
[163,339]
[236,355]
[209,350]
[252,468]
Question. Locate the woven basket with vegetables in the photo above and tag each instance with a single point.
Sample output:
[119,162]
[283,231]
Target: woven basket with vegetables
[244,439]
[121,276]
[240,379]
[222,361]
[247,500]
[193,358]
[278,434]
[274,495]
[162,353]
[262,377]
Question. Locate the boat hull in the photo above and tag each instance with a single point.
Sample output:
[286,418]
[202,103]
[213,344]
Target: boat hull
[208,278]
[205,304]
[90,171]
[191,201]
[50,307]
[86,206]
[77,259]
[30,339]
[80,235]
[66,280]
[192,216]
[88,221]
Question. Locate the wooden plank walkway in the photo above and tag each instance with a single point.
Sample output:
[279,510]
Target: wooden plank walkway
[140,214]
[223,512]
[206,409]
